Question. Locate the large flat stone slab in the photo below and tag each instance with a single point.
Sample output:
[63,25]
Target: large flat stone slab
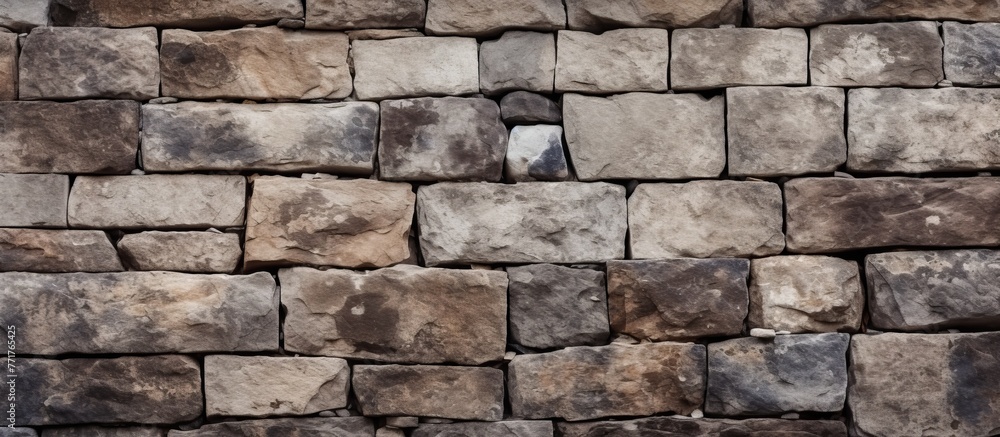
[420,315]
[805,293]
[255,63]
[615,61]
[56,251]
[274,386]
[479,18]
[345,223]
[530,222]
[33,200]
[89,136]
[686,426]
[554,306]
[884,54]
[285,427]
[808,13]
[335,138]
[972,53]
[719,58]
[450,392]
[518,61]
[507,428]
[645,136]
[140,312]
[23,15]
[364,14]
[705,219]
[415,67]
[594,15]
[191,14]
[194,251]
[8,66]
[912,384]
[837,214]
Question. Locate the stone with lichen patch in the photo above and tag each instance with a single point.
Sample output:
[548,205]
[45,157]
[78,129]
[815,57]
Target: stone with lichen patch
[802,293]
[884,54]
[274,386]
[450,392]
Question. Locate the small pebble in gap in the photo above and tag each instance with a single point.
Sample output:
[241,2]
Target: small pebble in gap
[390,432]
[402,422]
[697,414]
[343,412]
[945,84]
[291,23]
[840,174]
[327,414]
[138,172]
[163,100]
[509,356]
[762,333]
[435,420]
[783,333]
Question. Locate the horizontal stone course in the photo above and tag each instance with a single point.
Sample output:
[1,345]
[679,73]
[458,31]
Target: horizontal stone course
[56,251]
[686,426]
[450,392]
[33,200]
[615,61]
[415,67]
[717,58]
[594,15]
[192,14]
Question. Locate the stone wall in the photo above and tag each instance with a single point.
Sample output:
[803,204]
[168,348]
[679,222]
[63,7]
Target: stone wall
[516,218]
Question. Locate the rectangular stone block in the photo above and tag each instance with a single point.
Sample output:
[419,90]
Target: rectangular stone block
[518,61]
[807,13]
[89,136]
[8,66]
[33,200]
[685,426]
[972,53]
[838,214]
[157,201]
[718,58]
[191,14]
[530,222]
[193,252]
[56,251]
[23,15]
[706,219]
[255,63]
[420,315]
[915,131]
[285,137]
[274,386]
[415,67]
[580,383]
[18,432]
[479,18]
[285,427]
[615,61]
[805,293]
[507,428]
[450,392]
[344,223]
[161,389]
[106,431]
[364,14]
[595,15]
[554,306]
[884,54]
[645,136]
[140,312]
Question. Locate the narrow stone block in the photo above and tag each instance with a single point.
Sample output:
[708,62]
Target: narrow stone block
[596,15]
[718,58]
[364,14]
[884,54]
[614,61]
[274,386]
[553,306]
[285,427]
[686,426]
[105,431]
[33,200]
[972,53]
[802,293]
[56,251]
[522,107]
[518,61]
[479,18]
[194,252]
[507,428]
[807,13]
[450,392]
[191,14]
[8,66]
[415,67]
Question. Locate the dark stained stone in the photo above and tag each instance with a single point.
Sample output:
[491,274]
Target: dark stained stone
[290,427]
[364,14]
[140,312]
[152,390]
[838,214]
[8,66]
[450,392]
[33,200]
[192,14]
[678,299]
[802,372]
[89,136]
[884,54]
[580,383]
[105,431]
[517,61]
[23,15]
[807,13]
[680,426]
[508,428]
[536,153]
[522,107]
[972,53]
[553,306]
[56,251]
[596,15]
[441,139]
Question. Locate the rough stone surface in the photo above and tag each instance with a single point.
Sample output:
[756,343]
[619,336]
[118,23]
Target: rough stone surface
[779,131]
[33,200]
[927,290]
[18,432]
[803,293]
[303,427]
[614,61]
[914,131]
[8,66]
[22,15]
[600,14]
[553,306]
[73,63]
[349,223]
[195,252]
[705,219]
[56,251]
[837,214]
[402,314]
[718,58]
[479,18]
[912,384]
[77,137]
[140,312]
[194,136]
[522,107]
[192,14]
[531,222]
[645,136]
[804,372]
[535,153]
[274,386]
[678,299]
[441,139]
[518,61]
[364,14]
[105,431]
[884,54]
[972,53]
[807,13]
[509,428]
[581,383]
[686,426]
[414,67]
[157,201]
[380,34]
[464,393]
[156,390]
[255,63]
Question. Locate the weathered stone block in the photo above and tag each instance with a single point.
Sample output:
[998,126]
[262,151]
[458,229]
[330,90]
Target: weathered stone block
[479,18]
[531,222]
[292,427]
[192,14]
[928,290]
[686,426]
[451,392]
[441,139]
[105,431]
[837,214]
[8,66]
[884,54]
[346,223]
[807,13]
[156,390]
[614,61]
[678,299]
[75,137]
[33,200]
[274,386]
[599,14]
[718,58]
[140,312]
[364,14]
[157,201]
[553,306]
[522,107]
[422,315]
[518,61]
[913,131]
[414,67]
[255,63]
[972,53]
[777,131]
[535,153]
[581,383]
[802,293]
[195,252]
[507,428]
[912,384]
[194,136]
[705,219]
[23,15]
[56,251]
[17,432]
[645,136]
